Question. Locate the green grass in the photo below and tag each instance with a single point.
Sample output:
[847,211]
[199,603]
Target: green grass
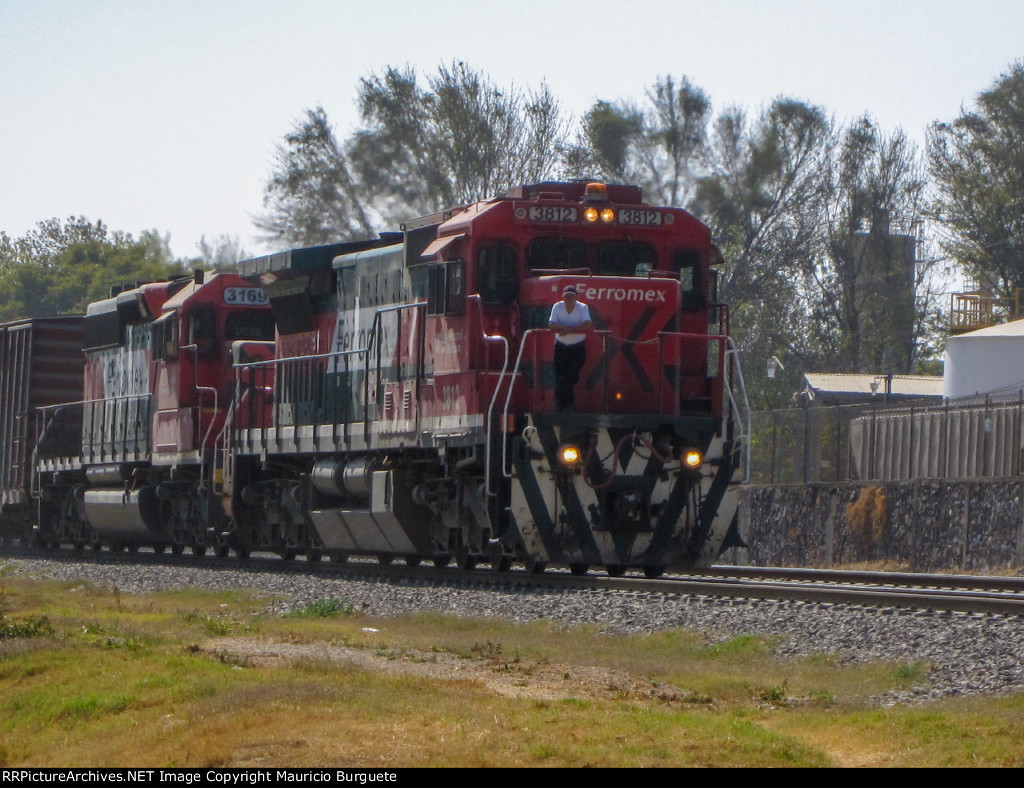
[323,608]
[123,680]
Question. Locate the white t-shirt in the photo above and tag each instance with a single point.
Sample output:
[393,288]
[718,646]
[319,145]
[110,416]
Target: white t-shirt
[579,316]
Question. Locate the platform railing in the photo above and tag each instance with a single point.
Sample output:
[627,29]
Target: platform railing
[726,384]
[972,310]
[300,397]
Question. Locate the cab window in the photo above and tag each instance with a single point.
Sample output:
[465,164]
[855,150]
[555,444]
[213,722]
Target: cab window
[202,331]
[625,258]
[256,324]
[496,275]
[686,263]
[445,288]
[556,253]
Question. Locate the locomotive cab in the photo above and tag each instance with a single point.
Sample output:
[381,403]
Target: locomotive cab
[192,354]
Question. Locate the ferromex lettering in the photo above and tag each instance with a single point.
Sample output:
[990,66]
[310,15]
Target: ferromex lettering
[645,295]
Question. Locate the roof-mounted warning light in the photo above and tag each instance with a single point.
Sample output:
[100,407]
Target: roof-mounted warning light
[595,192]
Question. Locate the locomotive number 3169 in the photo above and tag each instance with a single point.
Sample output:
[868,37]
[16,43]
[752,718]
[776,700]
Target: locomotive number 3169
[244,296]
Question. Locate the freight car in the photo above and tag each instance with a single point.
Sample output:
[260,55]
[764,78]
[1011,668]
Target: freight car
[395,398]
[40,365]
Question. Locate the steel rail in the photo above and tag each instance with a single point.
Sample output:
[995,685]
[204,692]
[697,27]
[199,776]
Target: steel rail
[924,596]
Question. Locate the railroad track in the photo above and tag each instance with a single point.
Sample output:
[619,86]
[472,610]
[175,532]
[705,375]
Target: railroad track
[955,593]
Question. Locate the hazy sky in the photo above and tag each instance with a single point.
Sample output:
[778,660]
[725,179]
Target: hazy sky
[164,115]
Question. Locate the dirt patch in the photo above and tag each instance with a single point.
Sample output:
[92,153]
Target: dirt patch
[503,676]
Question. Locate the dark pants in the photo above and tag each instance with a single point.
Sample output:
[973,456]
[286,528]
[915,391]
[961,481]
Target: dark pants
[569,361]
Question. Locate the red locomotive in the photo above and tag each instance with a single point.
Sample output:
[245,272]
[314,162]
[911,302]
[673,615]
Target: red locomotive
[157,389]
[413,410]
[395,398]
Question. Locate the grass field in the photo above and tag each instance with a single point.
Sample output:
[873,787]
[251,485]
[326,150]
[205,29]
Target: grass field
[92,677]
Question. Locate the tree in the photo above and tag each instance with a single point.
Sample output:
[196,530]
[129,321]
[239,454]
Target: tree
[604,141]
[60,267]
[864,284]
[311,198]
[763,199]
[460,139]
[420,149]
[977,166]
[661,146]
[223,253]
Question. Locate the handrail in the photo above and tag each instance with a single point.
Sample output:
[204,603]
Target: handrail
[57,406]
[199,411]
[494,398]
[505,470]
[82,403]
[209,429]
[730,350]
[373,337]
[366,362]
[743,439]
[981,308]
[312,357]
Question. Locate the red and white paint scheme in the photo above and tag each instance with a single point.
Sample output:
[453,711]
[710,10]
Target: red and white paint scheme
[414,390]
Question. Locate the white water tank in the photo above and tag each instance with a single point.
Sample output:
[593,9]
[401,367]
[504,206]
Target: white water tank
[987,361]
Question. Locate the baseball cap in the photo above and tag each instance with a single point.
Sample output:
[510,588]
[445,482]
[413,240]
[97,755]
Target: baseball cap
[569,289]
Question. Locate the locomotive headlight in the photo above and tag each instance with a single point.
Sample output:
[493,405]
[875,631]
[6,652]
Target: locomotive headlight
[591,214]
[569,454]
[692,458]
[607,216]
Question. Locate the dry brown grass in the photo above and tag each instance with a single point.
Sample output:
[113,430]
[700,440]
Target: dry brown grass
[194,679]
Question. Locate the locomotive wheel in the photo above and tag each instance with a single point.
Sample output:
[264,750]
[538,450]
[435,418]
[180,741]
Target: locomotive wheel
[464,559]
[289,553]
[338,557]
[385,560]
[79,545]
[654,571]
[198,550]
[133,547]
[314,556]
[535,567]
[96,545]
[579,569]
[159,548]
[412,560]
[615,570]
[242,552]
[222,551]
[442,560]
[502,563]
[177,548]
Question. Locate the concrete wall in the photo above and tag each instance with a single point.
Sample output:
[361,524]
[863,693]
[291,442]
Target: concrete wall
[923,526]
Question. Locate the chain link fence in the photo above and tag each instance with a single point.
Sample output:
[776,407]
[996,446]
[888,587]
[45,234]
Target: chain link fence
[975,438]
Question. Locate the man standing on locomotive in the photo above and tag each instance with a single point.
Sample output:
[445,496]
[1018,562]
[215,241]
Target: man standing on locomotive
[570,319]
